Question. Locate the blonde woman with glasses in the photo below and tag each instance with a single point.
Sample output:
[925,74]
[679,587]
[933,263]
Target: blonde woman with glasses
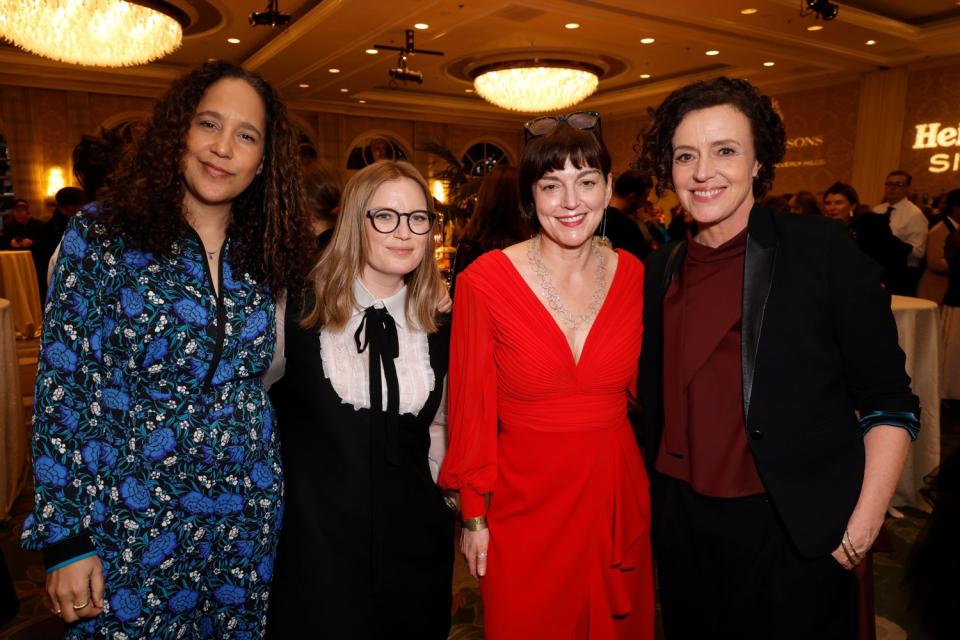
[367,544]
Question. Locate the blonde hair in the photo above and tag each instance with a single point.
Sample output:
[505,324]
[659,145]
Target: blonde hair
[346,255]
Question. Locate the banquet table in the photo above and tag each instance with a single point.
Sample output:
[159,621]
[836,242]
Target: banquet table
[918,327]
[18,284]
[13,439]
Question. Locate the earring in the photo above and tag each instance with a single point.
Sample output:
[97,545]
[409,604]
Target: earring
[603,240]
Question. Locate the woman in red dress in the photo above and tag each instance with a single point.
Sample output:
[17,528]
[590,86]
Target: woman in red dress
[543,356]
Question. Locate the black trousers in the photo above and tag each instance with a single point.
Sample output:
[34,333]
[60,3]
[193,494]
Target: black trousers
[727,569]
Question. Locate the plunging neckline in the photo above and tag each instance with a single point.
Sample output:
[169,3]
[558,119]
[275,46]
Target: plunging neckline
[553,321]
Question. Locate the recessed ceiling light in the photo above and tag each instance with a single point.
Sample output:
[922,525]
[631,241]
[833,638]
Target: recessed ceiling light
[303,85]
[644,76]
[749,11]
[870,43]
[769,63]
[713,52]
[362,101]
[571,25]
[233,40]
[344,90]
[421,25]
[468,90]
[815,27]
[333,70]
[647,40]
[373,52]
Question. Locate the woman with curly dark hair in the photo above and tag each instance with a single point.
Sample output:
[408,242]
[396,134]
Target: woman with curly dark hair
[158,477]
[776,410]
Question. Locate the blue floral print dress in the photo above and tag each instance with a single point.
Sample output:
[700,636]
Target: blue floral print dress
[153,439]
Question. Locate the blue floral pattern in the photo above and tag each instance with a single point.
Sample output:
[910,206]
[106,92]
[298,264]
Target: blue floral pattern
[178,484]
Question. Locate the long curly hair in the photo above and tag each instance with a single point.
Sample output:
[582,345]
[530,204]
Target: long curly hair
[769,134]
[268,230]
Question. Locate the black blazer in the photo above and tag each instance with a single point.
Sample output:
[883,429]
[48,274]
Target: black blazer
[819,343]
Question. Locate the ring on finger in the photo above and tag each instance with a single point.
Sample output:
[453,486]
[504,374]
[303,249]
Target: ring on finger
[77,607]
[57,612]
[481,555]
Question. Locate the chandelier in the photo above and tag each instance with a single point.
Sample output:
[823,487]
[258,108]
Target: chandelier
[96,33]
[536,85]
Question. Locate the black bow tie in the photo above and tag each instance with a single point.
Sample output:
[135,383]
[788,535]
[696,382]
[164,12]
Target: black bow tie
[378,331]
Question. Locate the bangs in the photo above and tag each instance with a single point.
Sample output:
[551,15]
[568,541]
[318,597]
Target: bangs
[550,153]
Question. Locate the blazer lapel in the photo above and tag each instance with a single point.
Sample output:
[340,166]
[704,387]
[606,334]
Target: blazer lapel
[759,262]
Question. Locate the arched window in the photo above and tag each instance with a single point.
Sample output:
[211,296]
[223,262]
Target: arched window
[482,157]
[376,147]
[6,181]
[308,152]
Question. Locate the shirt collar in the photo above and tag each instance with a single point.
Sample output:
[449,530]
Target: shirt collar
[396,304]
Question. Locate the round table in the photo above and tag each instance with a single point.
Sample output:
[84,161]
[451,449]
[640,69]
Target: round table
[18,284]
[13,439]
[918,327]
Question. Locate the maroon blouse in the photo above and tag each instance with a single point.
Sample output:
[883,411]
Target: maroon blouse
[704,437]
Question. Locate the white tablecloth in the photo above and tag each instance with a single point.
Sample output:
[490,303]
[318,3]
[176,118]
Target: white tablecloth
[13,439]
[919,330]
[18,284]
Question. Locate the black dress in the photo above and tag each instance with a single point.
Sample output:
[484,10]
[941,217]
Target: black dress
[366,549]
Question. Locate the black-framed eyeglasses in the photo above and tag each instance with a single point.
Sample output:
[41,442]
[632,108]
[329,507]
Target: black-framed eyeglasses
[387,220]
[584,120]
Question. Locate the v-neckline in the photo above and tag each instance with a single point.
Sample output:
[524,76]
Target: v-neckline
[553,321]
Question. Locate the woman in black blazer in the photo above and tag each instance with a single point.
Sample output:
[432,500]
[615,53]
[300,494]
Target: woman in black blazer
[776,410]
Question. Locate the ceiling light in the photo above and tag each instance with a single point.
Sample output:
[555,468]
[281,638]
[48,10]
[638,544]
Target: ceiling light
[333,70]
[96,33]
[233,40]
[713,52]
[748,11]
[647,40]
[373,52]
[536,85]
[815,27]
[468,90]
[362,101]
[344,90]
[571,25]
[303,85]
[769,63]
[421,26]
[644,76]
[870,43]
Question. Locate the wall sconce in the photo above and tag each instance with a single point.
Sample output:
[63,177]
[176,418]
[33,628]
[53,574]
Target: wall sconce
[55,180]
[439,191]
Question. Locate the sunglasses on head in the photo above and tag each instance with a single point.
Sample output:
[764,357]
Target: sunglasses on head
[583,120]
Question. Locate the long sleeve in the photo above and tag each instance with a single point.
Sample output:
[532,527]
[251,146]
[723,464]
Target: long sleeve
[438,436]
[867,335]
[70,409]
[936,241]
[471,462]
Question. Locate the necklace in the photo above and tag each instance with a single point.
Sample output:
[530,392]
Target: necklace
[571,320]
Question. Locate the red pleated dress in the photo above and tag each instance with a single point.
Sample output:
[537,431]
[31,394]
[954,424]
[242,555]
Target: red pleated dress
[549,439]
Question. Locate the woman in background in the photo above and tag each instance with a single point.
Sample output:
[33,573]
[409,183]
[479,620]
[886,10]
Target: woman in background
[840,201]
[366,550]
[158,479]
[496,222]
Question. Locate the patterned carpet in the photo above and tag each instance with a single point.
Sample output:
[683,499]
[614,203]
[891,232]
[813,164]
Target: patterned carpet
[34,621]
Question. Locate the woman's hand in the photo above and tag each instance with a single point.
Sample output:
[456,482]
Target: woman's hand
[857,541]
[473,545]
[78,583]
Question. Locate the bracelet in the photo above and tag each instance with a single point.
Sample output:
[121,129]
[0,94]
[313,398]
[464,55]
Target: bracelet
[475,524]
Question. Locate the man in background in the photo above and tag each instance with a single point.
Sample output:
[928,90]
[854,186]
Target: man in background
[909,225]
[630,191]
